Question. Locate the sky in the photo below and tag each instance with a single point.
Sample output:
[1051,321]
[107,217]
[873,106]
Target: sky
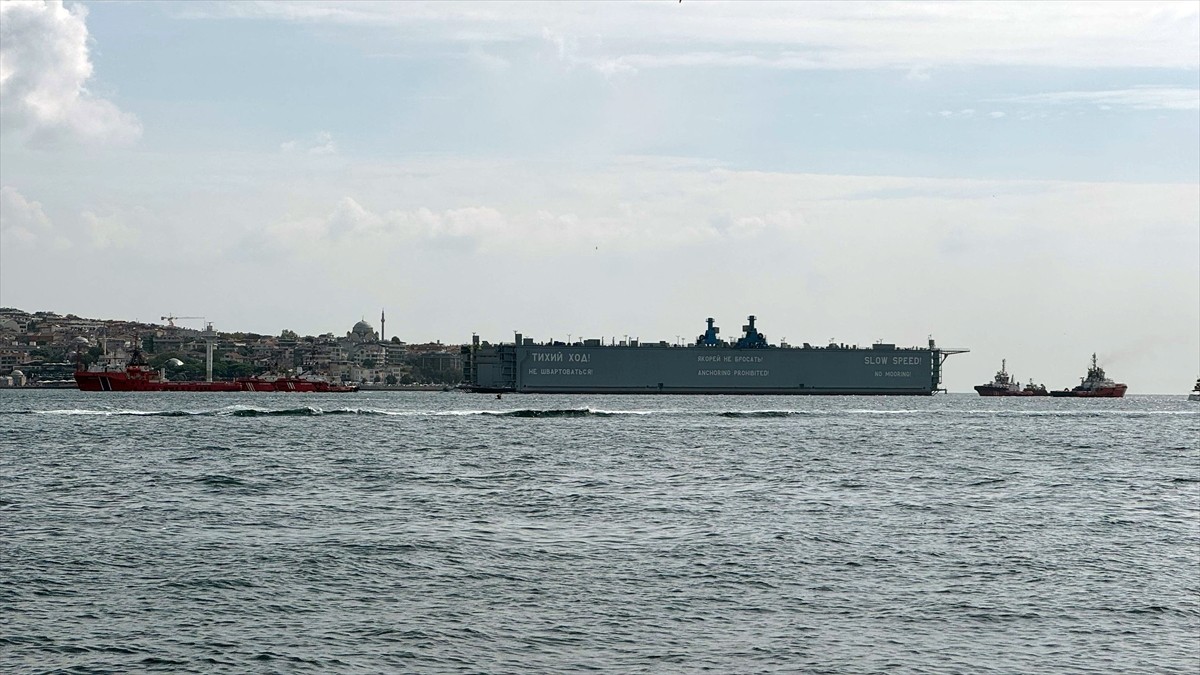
[1021,179]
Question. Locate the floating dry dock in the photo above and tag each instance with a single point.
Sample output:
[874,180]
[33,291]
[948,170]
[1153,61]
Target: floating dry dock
[750,365]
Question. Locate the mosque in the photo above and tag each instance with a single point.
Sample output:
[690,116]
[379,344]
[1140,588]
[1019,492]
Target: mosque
[367,355]
[362,333]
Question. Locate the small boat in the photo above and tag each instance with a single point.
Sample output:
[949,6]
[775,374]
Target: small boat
[1195,395]
[1095,385]
[1006,385]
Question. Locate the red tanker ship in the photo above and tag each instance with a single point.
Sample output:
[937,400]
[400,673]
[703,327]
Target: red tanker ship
[1095,385]
[139,376]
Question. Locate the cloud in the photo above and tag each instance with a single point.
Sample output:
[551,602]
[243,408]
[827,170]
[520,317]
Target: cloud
[565,46]
[321,143]
[109,231]
[965,113]
[913,36]
[350,224]
[488,61]
[44,70]
[349,217]
[1137,98]
[24,223]
[918,74]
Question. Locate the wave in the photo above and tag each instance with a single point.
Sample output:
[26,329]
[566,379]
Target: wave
[762,414]
[564,412]
[311,411]
[306,411]
[586,412]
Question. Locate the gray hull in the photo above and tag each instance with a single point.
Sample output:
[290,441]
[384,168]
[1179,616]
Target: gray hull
[662,369]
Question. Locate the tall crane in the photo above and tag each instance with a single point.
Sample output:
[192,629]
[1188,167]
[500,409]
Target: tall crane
[170,319]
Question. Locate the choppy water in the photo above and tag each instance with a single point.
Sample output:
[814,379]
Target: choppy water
[446,532]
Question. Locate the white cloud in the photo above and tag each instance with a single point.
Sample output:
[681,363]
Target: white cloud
[965,113]
[696,207]
[324,144]
[321,143]
[913,36]
[349,217]
[1138,98]
[44,70]
[352,225]
[488,61]
[918,74]
[109,231]
[24,222]
[565,46]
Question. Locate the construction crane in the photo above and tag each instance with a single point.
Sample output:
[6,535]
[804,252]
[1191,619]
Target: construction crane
[171,319]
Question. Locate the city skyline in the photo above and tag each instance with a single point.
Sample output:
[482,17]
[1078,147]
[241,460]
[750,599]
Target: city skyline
[1015,178]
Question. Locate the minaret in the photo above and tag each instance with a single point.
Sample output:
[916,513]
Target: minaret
[382,330]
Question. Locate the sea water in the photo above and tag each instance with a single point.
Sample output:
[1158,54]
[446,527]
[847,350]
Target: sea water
[457,533]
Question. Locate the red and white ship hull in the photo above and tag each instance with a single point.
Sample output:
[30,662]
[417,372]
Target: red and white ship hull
[135,378]
[1115,391]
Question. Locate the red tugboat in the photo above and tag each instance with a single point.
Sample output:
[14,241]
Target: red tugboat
[1005,385]
[1095,385]
[139,376]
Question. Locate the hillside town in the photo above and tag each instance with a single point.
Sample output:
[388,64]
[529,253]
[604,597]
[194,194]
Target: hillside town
[43,349]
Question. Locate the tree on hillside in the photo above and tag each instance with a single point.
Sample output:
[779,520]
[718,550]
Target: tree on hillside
[194,368]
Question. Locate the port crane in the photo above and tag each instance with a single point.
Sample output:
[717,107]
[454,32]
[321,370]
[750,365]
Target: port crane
[170,319]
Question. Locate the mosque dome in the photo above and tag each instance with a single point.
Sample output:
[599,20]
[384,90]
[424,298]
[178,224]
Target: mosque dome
[362,329]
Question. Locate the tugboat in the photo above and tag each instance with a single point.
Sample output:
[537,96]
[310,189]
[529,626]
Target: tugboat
[1195,395]
[1032,389]
[1095,385]
[1004,385]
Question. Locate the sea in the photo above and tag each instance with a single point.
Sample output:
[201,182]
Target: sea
[446,532]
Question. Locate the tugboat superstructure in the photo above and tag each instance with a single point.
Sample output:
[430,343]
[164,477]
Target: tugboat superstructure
[1095,385]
